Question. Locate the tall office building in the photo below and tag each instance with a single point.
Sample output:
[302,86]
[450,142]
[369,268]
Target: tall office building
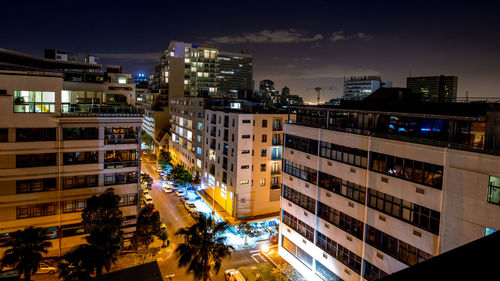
[371,190]
[434,88]
[235,72]
[242,161]
[69,131]
[359,87]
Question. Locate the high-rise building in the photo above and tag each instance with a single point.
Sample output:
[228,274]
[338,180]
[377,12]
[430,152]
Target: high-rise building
[242,163]
[434,88]
[69,131]
[285,91]
[359,87]
[370,190]
[235,72]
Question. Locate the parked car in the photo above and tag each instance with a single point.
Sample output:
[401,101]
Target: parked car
[164,177]
[148,199]
[182,198]
[145,191]
[195,214]
[179,192]
[163,226]
[167,189]
[45,268]
[190,206]
[233,275]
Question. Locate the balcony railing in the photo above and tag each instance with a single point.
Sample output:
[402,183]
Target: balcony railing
[120,140]
[79,110]
[121,164]
[276,186]
[277,142]
[275,172]
[276,157]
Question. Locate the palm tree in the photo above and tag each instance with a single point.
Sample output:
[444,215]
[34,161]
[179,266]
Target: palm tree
[245,229]
[25,250]
[78,264]
[203,246]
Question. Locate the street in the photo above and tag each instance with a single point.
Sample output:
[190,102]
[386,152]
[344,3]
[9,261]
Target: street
[175,216]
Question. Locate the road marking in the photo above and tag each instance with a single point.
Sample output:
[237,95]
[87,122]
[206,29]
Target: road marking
[256,260]
[254,251]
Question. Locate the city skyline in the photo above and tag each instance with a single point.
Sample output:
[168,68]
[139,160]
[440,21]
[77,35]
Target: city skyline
[294,45]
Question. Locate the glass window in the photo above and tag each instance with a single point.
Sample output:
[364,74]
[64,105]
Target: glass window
[34,102]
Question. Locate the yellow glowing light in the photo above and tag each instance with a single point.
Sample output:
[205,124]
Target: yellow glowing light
[264,248]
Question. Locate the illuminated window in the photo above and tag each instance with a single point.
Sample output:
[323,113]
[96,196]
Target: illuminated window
[488,231]
[121,80]
[263,181]
[35,102]
[494,191]
[205,74]
[223,191]
[193,69]
[244,182]
[198,163]
[200,74]
[186,82]
[187,60]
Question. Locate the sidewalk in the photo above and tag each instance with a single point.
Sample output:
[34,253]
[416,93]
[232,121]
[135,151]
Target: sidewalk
[155,253]
[284,266]
[219,210]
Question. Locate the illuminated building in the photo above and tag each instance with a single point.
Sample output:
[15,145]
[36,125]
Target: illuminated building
[242,161]
[359,87]
[434,88]
[69,131]
[235,72]
[371,189]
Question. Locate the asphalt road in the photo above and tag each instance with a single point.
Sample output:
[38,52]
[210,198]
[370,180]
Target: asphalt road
[175,216]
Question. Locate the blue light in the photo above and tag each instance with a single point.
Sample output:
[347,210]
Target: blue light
[401,129]
[425,129]
[391,126]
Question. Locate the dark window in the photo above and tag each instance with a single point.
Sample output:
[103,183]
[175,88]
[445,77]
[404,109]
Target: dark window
[301,171]
[342,187]
[341,220]
[339,252]
[262,167]
[264,138]
[80,181]
[326,274]
[300,199]
[301,144]
[27,186]
[80,133]
[35,160]
[246,121]
[301,227]
[394,247]
[411,170]
[422,217]
[87,157]
[296,251]
[263,152]
[4,135]
[245,136]
[36,210]
[344,154]
[35,134]
[372,272]
[264,123]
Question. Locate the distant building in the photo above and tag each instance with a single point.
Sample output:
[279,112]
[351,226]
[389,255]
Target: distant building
[235,72]
[266,85]
[141,79]
[434,88]
[359,87]
[285,91]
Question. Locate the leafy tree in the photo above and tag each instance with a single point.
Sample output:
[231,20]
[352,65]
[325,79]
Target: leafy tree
[25,249]
[148,225]
[164,158]
[245,229]
[284,272]
[147,139]
[78,264]
[163,236]
[181,175]
[102,219]
[204,246]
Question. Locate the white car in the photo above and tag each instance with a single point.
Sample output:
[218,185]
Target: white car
[45,268]
[190,206]
[179,193]
[167,189]
[233,275]
[148,199]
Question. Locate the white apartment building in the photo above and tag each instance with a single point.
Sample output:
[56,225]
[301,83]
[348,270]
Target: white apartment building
[359,87]
[242,161]
[367,193]
[62,141]
[186,132]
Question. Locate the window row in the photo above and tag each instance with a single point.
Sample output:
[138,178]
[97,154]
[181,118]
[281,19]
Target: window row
[300,199]
[71,206]
[86,157]
[342,187]
[422,217]
[120,178]
[34,102]
[411,170]
[36,185]
[341,220]
[80,181]
[301,144]
[344,154]
[372,272]
[299,226]
[80,133]
[394,247]
[128,200]
[339,252]
[35,134]
[36,210]
[36,160]
[296,251]
[301,171]
[326,274]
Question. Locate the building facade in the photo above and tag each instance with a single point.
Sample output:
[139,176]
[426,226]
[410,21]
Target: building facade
[359,87]
[61,142]
[242,162]
[367,193]
[434,88]
[186,132]
[235,72]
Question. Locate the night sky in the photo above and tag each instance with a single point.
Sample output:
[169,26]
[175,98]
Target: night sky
[300,44]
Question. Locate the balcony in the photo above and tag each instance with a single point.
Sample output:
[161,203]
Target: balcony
[277,127]
[276,156]
[121,164]
[275,172]
[277,142]
[276,186]
[93,110]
